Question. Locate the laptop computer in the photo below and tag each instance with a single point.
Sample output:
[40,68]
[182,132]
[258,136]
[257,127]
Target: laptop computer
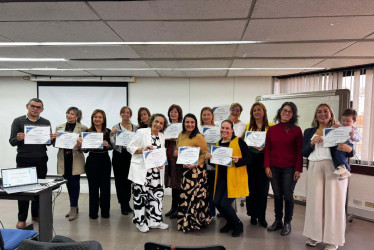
[17,180]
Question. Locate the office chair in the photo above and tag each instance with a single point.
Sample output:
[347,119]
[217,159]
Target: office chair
[160,246]
[60,243]
[11,238]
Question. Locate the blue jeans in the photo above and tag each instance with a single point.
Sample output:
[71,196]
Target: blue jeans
[283,186]
[340,158]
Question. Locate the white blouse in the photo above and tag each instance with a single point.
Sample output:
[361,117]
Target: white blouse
[320,153]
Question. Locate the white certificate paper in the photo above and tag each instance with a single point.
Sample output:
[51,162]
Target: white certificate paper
[188,155]
[66,140]
[211,134]
[221,112]
[154,158]
[92,140]
[123,137]
[221,156]
[255,138]
[37,135]
[333,136]
[173,130]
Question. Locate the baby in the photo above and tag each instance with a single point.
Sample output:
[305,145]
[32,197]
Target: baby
[339,157]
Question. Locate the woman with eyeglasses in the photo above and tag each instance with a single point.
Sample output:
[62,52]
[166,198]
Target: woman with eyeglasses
[283,163]
[70,162]
[235,112]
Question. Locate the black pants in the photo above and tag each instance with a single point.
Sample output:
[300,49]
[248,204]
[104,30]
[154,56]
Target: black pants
[98,168]
[175,193]
[211,179]
[258,184]
[223,203]
[283,186]
[41,168]
[121,167]
[73,184]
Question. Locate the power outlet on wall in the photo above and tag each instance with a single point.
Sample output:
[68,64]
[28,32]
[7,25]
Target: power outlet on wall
[357,202]
[369,204]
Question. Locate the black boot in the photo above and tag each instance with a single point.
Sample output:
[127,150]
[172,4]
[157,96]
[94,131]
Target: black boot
[286,230]
[226,228]
[253,221]
[238,229]
[171,211]
[174,215]
[263,223]
[276,225]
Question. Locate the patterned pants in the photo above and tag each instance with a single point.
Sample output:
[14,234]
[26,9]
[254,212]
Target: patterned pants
[148,199]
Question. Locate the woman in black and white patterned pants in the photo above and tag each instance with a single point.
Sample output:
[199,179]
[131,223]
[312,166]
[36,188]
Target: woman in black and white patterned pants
[148,194]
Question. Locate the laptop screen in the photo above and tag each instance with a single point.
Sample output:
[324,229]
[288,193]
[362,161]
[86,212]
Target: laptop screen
[19,176]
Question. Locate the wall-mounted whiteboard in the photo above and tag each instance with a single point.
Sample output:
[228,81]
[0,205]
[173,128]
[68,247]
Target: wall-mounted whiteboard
[306,103]
[58,97]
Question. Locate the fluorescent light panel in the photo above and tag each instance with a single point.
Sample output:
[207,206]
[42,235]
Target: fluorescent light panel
[150,69]
[9,59]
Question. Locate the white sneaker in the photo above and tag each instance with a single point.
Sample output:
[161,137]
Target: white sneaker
[160,225]
[142,228]
[312,243]
[345,175]
[340,170]
[331,247]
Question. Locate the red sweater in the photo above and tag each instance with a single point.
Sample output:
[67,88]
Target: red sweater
[283,149]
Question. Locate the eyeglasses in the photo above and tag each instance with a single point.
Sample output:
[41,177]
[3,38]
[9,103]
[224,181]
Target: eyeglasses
[35,107]
[235,110]
[287,111]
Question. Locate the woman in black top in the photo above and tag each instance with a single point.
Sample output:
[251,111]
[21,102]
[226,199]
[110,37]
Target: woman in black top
[98,168]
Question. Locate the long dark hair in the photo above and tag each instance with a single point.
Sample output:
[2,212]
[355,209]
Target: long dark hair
[252,121]
[104,123]
[196,130]
[294,119]
[179,110]
[140,123]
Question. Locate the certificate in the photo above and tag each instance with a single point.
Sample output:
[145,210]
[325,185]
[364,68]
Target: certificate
[154,158]
[123,137]
[333,136]
[255,138]
[92,140]
[37,135]
[66,140]
[221,112]
[188,155]
[211,134]
[221,156]
[173,130]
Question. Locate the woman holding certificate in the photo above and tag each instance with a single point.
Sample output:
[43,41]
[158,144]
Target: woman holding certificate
[193,204]
[283,163]
[120,136]
[231,180]
[235,112]
[258,182]
[325,209]
[98,167]
[143,117]
[207,123]
[148,192]
[173,175]
[70,161]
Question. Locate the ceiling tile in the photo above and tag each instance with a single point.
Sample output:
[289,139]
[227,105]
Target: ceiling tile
[19,52]
[88,52]
[289,50]
[184,51]
[307,8]
[172,10]
[191,64]
[124,73]
[59,73]
[261,72]
[46,11]
[339,63]
[144,31]
[108,64]
[215,73]
[358,49]
[271,63]
[36,65]
[62,31]
[320,28]
[13,73]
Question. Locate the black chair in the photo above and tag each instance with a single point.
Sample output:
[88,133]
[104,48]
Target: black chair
[60,243]
[160,246]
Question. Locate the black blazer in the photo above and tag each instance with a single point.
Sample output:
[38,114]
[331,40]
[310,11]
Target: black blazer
[308,148]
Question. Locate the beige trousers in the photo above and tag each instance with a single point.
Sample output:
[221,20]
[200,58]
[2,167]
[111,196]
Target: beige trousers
[325,208]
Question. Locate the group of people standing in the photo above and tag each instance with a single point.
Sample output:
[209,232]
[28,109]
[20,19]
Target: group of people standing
[199,189]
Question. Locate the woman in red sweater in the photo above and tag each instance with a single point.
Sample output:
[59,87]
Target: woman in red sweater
[283,163]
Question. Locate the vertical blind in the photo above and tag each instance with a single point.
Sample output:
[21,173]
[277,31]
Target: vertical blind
[359,82]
